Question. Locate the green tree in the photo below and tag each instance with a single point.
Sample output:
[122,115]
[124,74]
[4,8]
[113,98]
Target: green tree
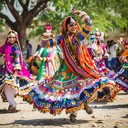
[107,15]
[23,13]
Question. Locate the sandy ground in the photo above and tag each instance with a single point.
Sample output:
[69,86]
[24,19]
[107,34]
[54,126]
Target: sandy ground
[105,115]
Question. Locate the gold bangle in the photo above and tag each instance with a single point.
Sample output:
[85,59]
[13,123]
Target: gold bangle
[82,13]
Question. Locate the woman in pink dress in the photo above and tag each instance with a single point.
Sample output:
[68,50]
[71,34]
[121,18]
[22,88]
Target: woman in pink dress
[14,76]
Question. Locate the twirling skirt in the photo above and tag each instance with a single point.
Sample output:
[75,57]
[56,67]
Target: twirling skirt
[122,78]
[65,91]
[22,86]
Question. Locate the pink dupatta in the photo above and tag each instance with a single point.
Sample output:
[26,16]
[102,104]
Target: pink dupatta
[6,49]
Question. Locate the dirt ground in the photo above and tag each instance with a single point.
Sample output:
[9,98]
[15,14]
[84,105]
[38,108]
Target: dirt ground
[105,115]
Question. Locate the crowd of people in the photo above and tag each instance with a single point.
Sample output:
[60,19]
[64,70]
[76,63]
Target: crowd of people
[69,73]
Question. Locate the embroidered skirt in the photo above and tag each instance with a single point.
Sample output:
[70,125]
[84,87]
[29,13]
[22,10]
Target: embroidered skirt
[122,78]
[21,85]
[65,91]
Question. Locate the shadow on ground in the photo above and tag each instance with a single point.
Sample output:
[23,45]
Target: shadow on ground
[110,106]
[5,111]
[126,116]
[46,122]
[123,93]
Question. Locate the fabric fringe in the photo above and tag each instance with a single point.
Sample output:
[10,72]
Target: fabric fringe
[70,110]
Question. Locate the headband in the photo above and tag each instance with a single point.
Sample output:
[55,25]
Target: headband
[11,33]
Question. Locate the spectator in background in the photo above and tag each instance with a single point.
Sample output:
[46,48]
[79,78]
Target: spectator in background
[50,58]
[122,78]
[112,59]
[14,76]
[28,49]
[98,52]
[122,43]
[38,47]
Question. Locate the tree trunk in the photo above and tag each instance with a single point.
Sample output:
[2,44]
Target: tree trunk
[21,29]
[24,18]
[22,37]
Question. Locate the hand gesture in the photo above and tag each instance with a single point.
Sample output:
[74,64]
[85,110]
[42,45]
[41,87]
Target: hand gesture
[80,13]
[76,11]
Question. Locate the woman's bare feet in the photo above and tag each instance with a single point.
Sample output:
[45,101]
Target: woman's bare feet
[87,108]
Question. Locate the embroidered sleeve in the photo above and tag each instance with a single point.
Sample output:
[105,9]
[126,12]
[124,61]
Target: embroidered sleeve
[17,53]
[53,42]
[87,26]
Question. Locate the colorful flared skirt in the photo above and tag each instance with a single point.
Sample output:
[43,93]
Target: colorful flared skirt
[102,69]
[122,78]
[65,91]
[22,86]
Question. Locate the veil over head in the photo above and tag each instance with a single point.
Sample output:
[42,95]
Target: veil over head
[11,32]
[6,49]
[65,22]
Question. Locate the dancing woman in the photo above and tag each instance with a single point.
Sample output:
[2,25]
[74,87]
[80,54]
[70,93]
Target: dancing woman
[50,57]
[122,78]
[76,81]
[14,76]
[98,52]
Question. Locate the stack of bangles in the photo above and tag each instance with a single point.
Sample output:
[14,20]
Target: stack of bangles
[83,15]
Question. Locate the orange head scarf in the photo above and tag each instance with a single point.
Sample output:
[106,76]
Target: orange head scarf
[67,21]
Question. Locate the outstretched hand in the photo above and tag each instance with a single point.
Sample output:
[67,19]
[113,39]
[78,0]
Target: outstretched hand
[76,11]
[80,13]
